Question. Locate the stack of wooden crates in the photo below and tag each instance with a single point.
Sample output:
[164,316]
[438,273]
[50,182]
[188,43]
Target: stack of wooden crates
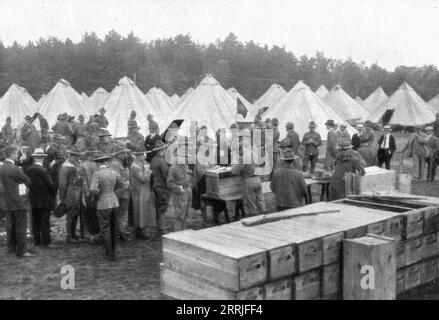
[297,258]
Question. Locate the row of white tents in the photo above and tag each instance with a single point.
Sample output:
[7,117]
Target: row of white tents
[211,105]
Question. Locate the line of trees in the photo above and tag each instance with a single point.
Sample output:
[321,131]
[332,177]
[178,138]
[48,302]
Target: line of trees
[175,64]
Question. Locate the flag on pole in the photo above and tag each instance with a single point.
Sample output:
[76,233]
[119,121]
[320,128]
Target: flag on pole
[241,109]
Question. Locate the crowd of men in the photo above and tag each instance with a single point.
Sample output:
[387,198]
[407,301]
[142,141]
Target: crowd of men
[119,187]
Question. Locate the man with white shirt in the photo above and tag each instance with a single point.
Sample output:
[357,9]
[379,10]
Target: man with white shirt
[386,148]
[12,177]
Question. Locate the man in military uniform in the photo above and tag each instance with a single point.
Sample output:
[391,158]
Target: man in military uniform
[44,127]
[345,163]
[367,140]
[150,142]
[79,129]
[312,141]
[136,140]
[7,132]
[180,185]
[344,134]
[292,140]
[119,164]
[88,168]
[88,142]
[62,127]
[101,119]
[276,137]
[56,155]
[105,145]
[70,192]
[151,122]
[160,168]
[331,146]
[104,183]
[132,120]
[29,134]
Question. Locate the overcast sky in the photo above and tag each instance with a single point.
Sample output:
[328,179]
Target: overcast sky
[390,32]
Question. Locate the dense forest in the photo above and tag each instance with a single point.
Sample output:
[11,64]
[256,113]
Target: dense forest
[177,63]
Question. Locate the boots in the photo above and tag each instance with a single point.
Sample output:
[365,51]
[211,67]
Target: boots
[70,229]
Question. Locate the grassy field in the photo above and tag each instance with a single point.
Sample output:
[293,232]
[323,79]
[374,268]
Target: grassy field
[134,276]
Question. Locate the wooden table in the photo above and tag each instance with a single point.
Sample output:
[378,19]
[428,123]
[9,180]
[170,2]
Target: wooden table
[227,204]
[323,194]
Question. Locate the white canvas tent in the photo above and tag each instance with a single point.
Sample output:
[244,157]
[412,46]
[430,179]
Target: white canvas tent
[434,103]
[62,99]
[322,91]
[41,100]
[210,105]
[409,109]
[123,99]
[343,104]
[175,98]
[97,100]
[185,95]
[376,98]
[359,100]
[84,96]
[161,101]
[16,103]
[269,99]
[300,106]
[235,95]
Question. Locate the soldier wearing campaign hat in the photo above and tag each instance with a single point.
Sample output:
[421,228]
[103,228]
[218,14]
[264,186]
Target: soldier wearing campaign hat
[136,140]
[312,141]
[331,145]
[70,191]
[101,120]
[105,144]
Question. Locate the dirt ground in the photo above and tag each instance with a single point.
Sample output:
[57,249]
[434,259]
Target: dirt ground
[134,276]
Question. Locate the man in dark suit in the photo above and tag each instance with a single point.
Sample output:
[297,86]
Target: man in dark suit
[11,177]
[42,198]
[56,155]
[386,148]
[355,141]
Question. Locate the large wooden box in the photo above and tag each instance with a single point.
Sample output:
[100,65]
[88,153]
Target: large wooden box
[377,179]
[373,257]
[220,182]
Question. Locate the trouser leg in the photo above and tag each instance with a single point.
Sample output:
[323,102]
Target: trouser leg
[122,212]
[10,231]
[20,230]
[388,160]
[107,226]
[314,159]
[36,226]
[45,227]
[161,200]
[305,162]
[433,169]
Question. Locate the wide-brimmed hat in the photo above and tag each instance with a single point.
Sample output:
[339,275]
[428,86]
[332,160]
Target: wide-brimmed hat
[368,123]
[58,136]
[289,125]
[133,112]
[100,156]
[159,145]
[120,148]
[275,121]
[330,122]
[28,118]
[344,145]
[312,124]
[74,151]
[104,133]
[134,127]
[63,116]
[102,109]
[288,155]
[39,153]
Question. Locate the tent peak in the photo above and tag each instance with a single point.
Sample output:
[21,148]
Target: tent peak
[64,82]
[125,81]
[209,80]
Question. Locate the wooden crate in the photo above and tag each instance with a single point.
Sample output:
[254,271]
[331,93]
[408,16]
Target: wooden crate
[400,275]
[377,179]
[413,223]
[400,254]
[431,220]
[332,248]
[412,276]
[281,254]
[431,245]
[331,279]
[307,286]
[413,250]
[429,270]
[183,286]
[223,183]
[375,251]
[279,290]
[231,265]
